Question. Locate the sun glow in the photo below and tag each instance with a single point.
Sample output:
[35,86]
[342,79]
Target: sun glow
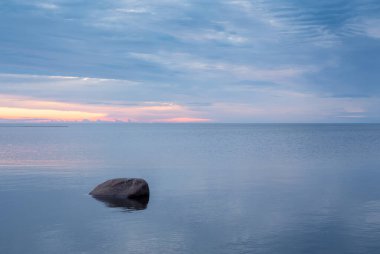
[46,114]
[20,108]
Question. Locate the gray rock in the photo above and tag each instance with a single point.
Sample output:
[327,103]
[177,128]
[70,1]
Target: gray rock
[122,188]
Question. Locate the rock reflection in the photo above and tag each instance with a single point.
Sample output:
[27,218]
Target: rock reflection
[128,204]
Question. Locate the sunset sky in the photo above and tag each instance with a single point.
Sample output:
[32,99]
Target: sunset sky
[190,61]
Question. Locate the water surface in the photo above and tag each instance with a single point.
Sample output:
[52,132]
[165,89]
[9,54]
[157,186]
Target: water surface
[215,188]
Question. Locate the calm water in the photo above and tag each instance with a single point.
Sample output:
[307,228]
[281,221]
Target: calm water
[214,189]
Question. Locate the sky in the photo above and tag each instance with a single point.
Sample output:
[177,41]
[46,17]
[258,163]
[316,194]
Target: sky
[233,61]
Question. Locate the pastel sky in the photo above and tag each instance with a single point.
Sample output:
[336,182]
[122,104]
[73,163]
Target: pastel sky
[190,61]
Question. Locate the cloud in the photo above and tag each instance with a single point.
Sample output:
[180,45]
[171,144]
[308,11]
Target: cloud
[371,28]
[70,88]
[213,35]
[188,63]
[132,10]
[47,5]
[323,23]
[69,80]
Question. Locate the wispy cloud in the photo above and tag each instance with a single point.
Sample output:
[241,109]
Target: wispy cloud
[323,23]
[132,10]
[370,27]
[188,63]
[212,35]
[48,6]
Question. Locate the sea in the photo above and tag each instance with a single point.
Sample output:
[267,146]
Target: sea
[214,188]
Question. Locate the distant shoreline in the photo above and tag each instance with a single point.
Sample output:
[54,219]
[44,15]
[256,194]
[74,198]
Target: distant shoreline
[34,126]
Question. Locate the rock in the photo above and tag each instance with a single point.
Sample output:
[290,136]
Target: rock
[122,188]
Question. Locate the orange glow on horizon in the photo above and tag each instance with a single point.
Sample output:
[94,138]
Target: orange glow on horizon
[58,115]
[21,108]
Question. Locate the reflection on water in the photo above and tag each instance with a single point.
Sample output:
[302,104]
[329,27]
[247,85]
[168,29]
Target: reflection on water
[129,204]
[233,188]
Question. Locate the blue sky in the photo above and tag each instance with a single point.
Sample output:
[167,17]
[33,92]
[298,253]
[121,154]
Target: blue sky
[174,61]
